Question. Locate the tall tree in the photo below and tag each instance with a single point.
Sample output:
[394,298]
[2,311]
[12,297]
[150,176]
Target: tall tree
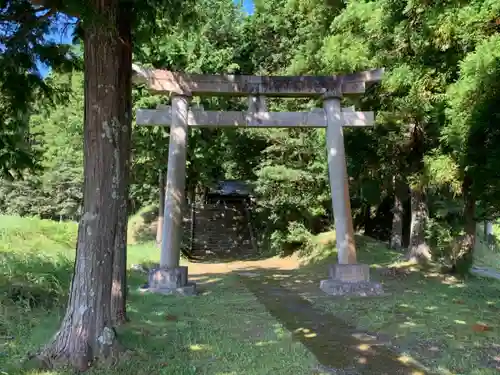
[87,332]
[211,45]
[420,45]
[119,288]
[400,194]
[472,137]
[23,41]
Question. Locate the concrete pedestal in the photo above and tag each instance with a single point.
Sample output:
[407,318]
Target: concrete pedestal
[349,272]
[350,279]
[170,281]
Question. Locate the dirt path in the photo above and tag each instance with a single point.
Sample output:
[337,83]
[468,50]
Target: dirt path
[284,264]
[339,348]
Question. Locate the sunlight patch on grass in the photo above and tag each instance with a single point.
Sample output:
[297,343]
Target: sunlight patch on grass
[321,250]
[225,330]
[222,332]
[444,322]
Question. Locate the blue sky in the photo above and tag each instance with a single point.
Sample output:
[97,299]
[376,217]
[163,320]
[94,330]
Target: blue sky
[64,33]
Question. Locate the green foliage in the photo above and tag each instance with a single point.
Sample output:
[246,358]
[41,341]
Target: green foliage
[142,225]
[207,45]
[30,278]
[441,235]
[283,36]
[472,134]
[436,112]
[54,192]
[23,42]
[292,183]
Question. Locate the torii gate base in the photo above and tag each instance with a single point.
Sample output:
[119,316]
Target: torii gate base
[171,281]
[350,279]
[346,277]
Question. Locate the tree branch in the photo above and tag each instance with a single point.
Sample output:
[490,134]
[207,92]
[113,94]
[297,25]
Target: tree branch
[55,5]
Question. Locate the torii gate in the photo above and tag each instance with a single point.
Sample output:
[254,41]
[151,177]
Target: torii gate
[170,277]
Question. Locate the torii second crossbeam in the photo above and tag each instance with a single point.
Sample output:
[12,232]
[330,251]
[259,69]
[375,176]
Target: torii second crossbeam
[262,119]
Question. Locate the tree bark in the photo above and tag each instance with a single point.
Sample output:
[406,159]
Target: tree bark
[86,333]
[119,287]
[161,208]
[418,250]
[464,248]
[400,196]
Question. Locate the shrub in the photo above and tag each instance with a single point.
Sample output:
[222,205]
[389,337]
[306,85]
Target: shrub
[294,238]
[35,261]
[142,225]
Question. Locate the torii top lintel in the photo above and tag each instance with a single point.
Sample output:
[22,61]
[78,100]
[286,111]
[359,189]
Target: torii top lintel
[165,81]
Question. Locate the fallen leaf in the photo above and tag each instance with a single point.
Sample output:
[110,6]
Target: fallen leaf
[480,327]
[171,318]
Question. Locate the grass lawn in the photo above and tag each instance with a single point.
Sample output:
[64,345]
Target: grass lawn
[448,325]
[223,331]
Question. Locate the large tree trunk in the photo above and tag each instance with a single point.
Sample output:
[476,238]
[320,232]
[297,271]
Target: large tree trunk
[119,288]
[464,247]
[161,208]
[400,196]
[418,250]
[86,333]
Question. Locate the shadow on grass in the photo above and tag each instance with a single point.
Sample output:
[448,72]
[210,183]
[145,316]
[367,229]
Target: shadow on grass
[222,330]
[232,323]
[444,322]
[229,327]
[338,346]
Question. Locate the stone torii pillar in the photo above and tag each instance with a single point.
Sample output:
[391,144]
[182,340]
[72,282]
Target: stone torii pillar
[172,278]
[176,182]
[339,182]
[347,276]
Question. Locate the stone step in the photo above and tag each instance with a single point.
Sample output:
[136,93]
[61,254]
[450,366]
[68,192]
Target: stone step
[218,228]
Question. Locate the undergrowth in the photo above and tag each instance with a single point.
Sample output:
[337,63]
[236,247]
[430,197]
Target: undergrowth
[222,331]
